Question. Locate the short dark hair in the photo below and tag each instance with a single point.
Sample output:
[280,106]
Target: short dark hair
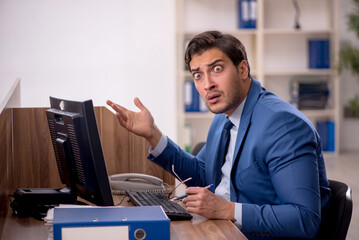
[227,43]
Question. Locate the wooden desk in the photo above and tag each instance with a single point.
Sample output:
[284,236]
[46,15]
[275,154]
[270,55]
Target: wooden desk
[27,161]
[198,228]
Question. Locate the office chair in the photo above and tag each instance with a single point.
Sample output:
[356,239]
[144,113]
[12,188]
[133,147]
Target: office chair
[336,220]
[197,148]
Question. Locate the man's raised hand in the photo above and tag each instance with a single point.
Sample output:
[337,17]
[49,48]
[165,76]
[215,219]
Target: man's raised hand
[140,123]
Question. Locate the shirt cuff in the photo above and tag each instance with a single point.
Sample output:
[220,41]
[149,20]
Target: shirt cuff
[238,215]
[161,145]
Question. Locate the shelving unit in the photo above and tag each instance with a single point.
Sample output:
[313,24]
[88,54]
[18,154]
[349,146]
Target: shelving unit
[277,52]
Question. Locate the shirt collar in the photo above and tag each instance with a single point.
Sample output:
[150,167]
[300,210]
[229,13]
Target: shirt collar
[236,115]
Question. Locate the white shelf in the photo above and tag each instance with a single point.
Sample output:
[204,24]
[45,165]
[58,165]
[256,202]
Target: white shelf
[184,74]
[236,32]
[277,52]
[198,115]
[327,155]
[327,113]
[299,72]
[292,31]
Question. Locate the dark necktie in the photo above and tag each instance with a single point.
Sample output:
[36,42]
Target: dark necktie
[222,150]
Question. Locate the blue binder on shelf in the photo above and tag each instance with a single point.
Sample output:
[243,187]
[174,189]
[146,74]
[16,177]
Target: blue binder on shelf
[107,223]
[188,96]
[331,136]
[247,14]
[326,130]
[319,53]
[192,100]
[253,13]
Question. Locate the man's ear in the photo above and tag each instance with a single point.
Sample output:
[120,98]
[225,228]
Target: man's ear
[243,68]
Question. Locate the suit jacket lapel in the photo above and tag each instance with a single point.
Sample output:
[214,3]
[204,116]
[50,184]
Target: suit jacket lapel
[246,117]
[213,169]
[216,163]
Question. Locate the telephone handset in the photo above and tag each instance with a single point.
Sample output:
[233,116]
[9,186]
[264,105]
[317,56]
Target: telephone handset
[135,182]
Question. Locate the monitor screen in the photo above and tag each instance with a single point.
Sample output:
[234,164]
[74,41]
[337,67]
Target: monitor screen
[78,151]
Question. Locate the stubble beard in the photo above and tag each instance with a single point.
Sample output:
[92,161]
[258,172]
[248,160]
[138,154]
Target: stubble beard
[230,103]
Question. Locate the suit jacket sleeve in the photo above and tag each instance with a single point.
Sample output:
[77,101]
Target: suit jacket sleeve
[289,149]
[185,165]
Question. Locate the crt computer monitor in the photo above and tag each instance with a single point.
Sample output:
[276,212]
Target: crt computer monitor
[78,150]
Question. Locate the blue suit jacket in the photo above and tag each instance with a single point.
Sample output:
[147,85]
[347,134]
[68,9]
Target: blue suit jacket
[278,171]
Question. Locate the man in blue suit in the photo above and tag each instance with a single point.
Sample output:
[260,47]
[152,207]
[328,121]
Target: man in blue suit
[272,180]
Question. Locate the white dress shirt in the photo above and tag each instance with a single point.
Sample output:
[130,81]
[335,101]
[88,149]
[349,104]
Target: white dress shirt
[223,189]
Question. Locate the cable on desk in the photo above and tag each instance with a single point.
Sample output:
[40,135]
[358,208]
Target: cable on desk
[119,204]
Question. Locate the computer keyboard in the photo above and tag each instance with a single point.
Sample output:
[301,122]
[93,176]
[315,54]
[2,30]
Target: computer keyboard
[173,210]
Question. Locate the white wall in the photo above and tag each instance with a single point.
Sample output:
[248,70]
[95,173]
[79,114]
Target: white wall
[115,49]
[92,49]
[349,84]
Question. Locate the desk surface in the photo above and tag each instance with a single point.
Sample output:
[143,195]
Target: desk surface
[197,228]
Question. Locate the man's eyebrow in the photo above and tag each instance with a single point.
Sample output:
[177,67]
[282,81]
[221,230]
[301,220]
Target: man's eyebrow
[194,69]
[209,65]
[214,62]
